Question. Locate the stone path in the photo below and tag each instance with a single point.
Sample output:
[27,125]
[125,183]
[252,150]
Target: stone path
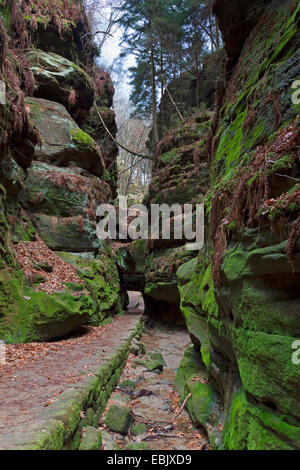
[164,402]
[45,376]
[31,387]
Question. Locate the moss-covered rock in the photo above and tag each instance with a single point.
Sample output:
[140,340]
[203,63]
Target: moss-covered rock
[138,446]
[29,316]
[240,299]
[127,385]
[101,279]
[75,234]
[63,142]
[180,176]
[50,171]
[189,367]
[202,405]
[153,361]
[138,429]
[92,439]
[161,267]
[61,192]
[119,419]
[60,80]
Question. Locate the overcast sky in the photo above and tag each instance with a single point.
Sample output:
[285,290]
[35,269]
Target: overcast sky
[110,52]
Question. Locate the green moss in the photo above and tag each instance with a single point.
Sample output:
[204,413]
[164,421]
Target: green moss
[37,316]
[101,279]
[23,230]
[138,429]
[138,446]
[92,439]
[128,385]
[200,405]
[266,374]
[6,15]
[209,303]
[198,302]
[282,163]
[152,286]
[153,361]
[82,138]
[236,427]
[261,438]
[189,367]
[170,157]
[230,145]
[269,430]
[119,419]
[74,287]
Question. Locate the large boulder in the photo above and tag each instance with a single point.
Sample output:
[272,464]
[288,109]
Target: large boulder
[60,80]
[31,315]
[62,204]
[63,143]
[100,277]
[74,234]
[60,191]
[53,295]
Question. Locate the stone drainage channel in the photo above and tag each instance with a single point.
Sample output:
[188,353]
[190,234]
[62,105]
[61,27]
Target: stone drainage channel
[144,412]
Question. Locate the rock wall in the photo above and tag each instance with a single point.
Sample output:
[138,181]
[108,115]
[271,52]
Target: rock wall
[180,176]
[240,296]
[187,91]
[56,166]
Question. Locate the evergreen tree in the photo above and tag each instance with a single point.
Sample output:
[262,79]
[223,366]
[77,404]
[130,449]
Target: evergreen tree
[168,38]
[140,20]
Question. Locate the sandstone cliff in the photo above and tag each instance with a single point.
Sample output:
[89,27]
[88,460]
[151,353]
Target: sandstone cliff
[56,166]
[239,295]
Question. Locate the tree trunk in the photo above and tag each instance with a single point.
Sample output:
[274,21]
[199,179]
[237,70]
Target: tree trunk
[153,87]
[161,83]
[197,80]
[211,29]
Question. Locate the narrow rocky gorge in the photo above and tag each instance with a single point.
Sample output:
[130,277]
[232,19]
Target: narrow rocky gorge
[200,357]
[146,391]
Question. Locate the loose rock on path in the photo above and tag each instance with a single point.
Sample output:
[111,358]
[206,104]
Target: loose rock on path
[153,399]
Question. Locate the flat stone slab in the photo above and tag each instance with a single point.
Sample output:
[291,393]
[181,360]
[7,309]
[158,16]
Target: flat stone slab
[42,398]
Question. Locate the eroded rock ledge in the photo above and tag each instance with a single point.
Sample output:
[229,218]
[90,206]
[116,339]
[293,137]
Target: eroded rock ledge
[239,295]
[53,159]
